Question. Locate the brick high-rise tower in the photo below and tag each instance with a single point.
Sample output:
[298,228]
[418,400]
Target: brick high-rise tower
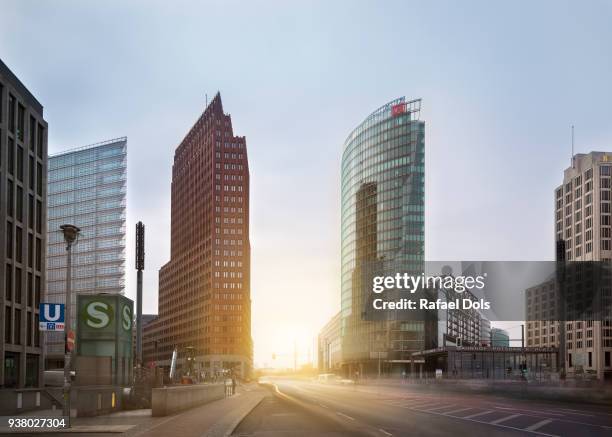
[204,290]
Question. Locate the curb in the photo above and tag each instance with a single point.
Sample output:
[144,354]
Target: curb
[225,429]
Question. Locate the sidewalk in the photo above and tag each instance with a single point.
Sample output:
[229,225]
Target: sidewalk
[214,419]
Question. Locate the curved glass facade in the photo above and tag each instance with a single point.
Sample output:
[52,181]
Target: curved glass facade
[383,191]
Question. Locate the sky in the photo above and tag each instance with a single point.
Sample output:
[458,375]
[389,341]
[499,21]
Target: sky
[501,83]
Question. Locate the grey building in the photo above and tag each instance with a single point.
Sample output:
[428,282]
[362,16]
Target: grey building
[87,188]
[583,222]
[330,346]
[23,204]
[499,338]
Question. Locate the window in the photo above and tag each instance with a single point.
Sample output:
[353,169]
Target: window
[18,293]
[39,179]
[7,329]
[11,114]
[8,283]
[39,141]
[11,156]
[10,201]
[19,163]
[18,245]
[9,240]
[31,173]
[20,122]
[31,211]
[19,203]
[32,141]
[38,216]
[17,338]
[38,254]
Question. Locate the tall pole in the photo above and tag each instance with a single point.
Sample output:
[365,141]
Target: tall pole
[140,230]
[71,234]
[67,328]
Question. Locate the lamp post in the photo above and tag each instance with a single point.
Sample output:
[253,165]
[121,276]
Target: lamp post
[71,235]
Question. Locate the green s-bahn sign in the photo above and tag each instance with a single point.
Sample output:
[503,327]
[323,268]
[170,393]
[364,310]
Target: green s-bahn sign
[104,329]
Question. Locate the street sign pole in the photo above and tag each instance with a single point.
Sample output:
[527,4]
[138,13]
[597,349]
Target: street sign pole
[71,234]
[67,327]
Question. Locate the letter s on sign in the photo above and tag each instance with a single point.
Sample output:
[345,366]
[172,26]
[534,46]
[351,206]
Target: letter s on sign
[127,318]
[97,315]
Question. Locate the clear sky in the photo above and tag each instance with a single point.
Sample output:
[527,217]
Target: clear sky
[501,84]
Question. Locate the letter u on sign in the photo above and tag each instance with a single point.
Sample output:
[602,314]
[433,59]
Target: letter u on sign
[52,312]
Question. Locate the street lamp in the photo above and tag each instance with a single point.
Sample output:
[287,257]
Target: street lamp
[71,235]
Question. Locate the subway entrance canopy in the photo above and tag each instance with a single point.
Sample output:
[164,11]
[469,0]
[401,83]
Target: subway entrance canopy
[104,339]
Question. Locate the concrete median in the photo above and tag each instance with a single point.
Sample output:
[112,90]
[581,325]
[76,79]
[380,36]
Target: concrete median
[169,400]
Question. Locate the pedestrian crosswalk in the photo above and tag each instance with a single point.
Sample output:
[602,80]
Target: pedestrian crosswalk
[491,415]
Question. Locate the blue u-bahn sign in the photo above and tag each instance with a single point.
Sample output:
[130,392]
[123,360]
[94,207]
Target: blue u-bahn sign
[51,317]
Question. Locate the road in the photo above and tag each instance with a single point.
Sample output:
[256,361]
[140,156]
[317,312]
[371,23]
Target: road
[304,408]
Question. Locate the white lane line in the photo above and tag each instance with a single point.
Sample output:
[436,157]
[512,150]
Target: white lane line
[504,419]
[572,413]
[385,432]
[458,411]
[442,407]
[344,415]
[482,413]
[538,425]
[420,405]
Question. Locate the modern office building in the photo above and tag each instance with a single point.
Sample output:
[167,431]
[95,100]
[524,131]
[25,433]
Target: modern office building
[499,338]
[383,190]
[583,225]
[330,346]
[204,290]
[485,331]
[23,208]
[87,188]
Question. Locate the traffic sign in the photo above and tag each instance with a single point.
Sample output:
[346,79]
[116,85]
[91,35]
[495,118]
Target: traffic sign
[70,341]
[51,317]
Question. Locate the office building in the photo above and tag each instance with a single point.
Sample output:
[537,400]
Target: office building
[382,221]
[204,290]
[499,338]
[87,188]
[330,346]
[583,225]
[23,206]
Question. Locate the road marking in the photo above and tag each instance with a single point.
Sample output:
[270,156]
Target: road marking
[573,413]
[487,423]
[538,425]
[482,413]
[504,419]
[419,405]
[344,415]
[384,432]
[459,410]
[443,407]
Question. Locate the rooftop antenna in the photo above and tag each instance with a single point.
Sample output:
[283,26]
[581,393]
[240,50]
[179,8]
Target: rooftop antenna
[572,146]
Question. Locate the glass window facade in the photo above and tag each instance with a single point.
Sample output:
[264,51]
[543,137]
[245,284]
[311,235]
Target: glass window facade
[382,217]
[87,188]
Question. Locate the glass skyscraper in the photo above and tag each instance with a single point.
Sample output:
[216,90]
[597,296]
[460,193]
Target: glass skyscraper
[86,188]
[383,190]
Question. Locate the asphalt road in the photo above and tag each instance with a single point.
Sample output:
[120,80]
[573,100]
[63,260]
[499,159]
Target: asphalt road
[304,408]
